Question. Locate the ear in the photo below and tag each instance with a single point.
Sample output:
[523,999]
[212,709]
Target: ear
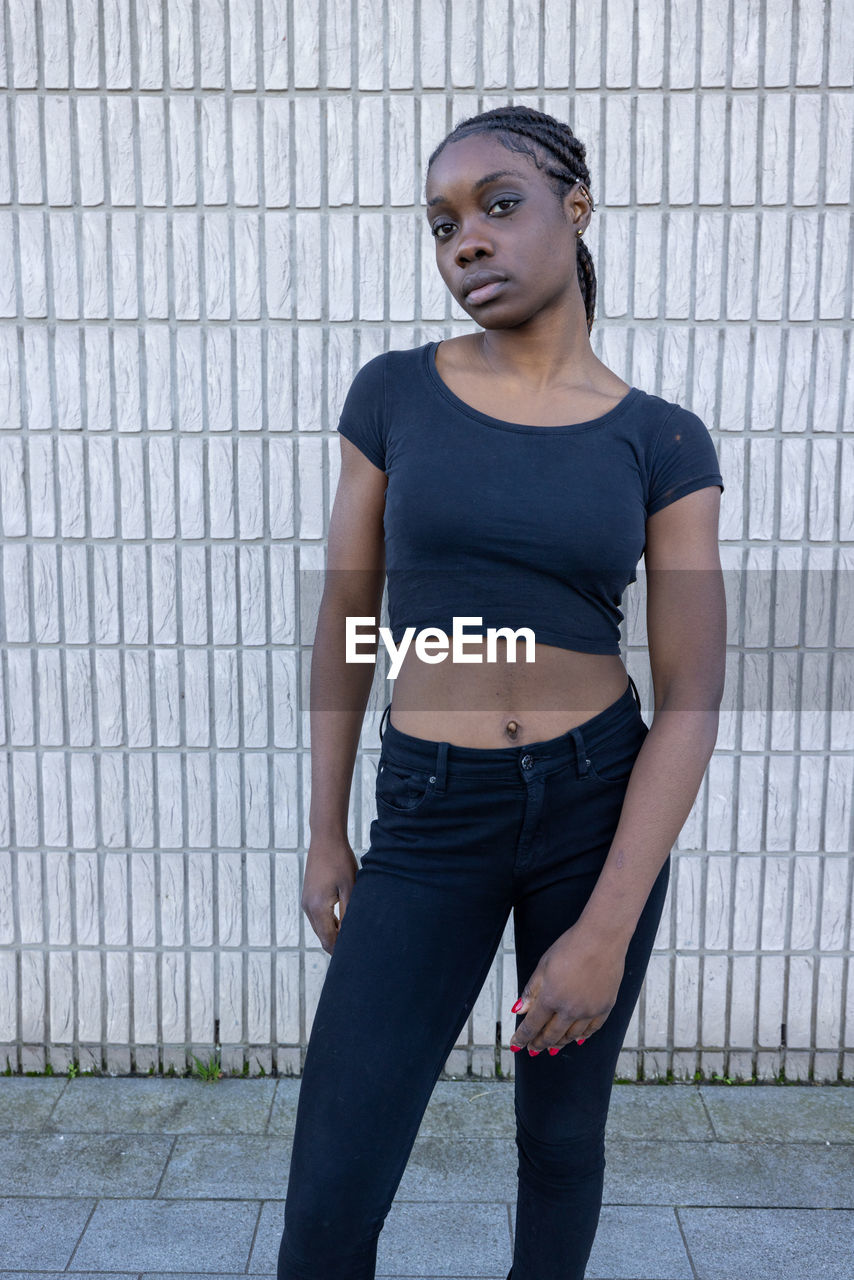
[578,208]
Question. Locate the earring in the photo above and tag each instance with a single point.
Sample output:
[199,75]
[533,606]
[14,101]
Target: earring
[587,194]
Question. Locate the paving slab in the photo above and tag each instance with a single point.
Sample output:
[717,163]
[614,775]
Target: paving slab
[442,1239]
[486,1110]
[25,1102]
[639,1172]
[782,1113]
[128,1105]
[803,1175]
[78,1275]
[41,1232]
[478,1109]
[197,1275]
[632,1242]
[168,1235]
[245,1167]
[284,1109]
[770,1244]
[265,1250]
[470,1109]
[657,1111]
[37,1164]
[419,1240]
[448,1169]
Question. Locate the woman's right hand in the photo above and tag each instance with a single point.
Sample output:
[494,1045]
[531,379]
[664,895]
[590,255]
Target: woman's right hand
[330,872]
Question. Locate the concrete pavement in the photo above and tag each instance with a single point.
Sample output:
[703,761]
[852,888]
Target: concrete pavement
[157,1177]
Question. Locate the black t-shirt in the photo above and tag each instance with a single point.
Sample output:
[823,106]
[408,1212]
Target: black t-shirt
[522,526]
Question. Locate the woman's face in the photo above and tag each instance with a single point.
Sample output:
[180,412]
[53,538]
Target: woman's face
[511,227]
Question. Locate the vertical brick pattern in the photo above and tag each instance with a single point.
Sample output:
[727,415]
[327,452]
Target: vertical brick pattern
[210,217]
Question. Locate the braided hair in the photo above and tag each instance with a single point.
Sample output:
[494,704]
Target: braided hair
[554,141]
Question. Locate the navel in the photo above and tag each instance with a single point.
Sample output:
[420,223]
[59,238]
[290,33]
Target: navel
[511,728]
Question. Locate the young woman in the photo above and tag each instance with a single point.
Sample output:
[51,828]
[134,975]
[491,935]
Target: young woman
[507,477]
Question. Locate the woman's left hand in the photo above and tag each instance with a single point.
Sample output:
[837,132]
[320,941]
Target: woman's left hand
[570,993]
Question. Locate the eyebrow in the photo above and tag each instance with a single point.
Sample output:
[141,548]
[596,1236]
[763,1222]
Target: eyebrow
[481,182]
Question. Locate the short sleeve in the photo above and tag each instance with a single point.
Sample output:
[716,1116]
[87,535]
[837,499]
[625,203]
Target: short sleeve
[362,419]
[683,459]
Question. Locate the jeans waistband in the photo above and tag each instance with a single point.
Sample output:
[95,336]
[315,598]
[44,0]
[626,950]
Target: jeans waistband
[505,762]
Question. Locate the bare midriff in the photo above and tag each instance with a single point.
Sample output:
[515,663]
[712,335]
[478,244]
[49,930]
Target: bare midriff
[501,703]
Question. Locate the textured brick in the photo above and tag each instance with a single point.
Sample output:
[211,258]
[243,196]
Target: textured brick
[55,821]
[143,870]
[201,1006]
[196,698]
[143,978]
[117,998]
[742,1003]
[199,824]
[173,1001]
[257,806]
[286,795]
[30,883]
[828,1003]
[13,479]
[25,800]
[228,824]
[86,896]
[89,996]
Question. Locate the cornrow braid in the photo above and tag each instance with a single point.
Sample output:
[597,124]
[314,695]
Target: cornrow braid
[556,139]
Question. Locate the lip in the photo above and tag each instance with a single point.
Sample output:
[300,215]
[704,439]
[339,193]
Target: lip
[484,293]
[477,279]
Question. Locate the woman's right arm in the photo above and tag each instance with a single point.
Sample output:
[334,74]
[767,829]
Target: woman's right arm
[339,691]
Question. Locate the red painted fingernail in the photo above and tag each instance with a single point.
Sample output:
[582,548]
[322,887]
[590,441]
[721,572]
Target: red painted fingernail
[553,1050]
[515,1047]
[517,1006]
[534,1052]
[581,1041]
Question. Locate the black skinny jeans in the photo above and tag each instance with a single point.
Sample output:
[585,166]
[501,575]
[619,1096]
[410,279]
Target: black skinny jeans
[463,835]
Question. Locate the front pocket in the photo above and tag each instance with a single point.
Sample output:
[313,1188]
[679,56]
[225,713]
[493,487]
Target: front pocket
[613,761]
[402,790]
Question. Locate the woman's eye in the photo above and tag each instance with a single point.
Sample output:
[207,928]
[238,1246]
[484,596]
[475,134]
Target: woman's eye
[439,225]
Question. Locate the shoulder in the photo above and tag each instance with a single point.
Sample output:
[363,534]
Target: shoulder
[393,363]
[405,359]
[374,374]
[657,418]
[679,421]
[645,418]
[656,409]
[680,456]
[369,404]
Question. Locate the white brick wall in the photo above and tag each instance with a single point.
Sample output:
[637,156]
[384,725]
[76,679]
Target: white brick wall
[210,217]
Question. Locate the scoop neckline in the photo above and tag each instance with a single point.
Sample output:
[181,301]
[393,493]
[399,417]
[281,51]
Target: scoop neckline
[524,427]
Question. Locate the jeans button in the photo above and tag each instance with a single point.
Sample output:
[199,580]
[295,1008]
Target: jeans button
[527,762]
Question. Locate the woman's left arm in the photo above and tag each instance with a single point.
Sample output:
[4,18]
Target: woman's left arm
[575,984]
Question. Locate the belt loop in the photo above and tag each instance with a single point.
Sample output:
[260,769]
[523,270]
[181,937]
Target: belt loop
[635,691]
[580,752]
[441,766]
[382,720]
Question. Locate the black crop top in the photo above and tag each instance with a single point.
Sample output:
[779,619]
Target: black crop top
[522,526]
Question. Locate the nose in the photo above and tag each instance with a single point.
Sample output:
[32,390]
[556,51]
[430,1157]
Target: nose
[472,242]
